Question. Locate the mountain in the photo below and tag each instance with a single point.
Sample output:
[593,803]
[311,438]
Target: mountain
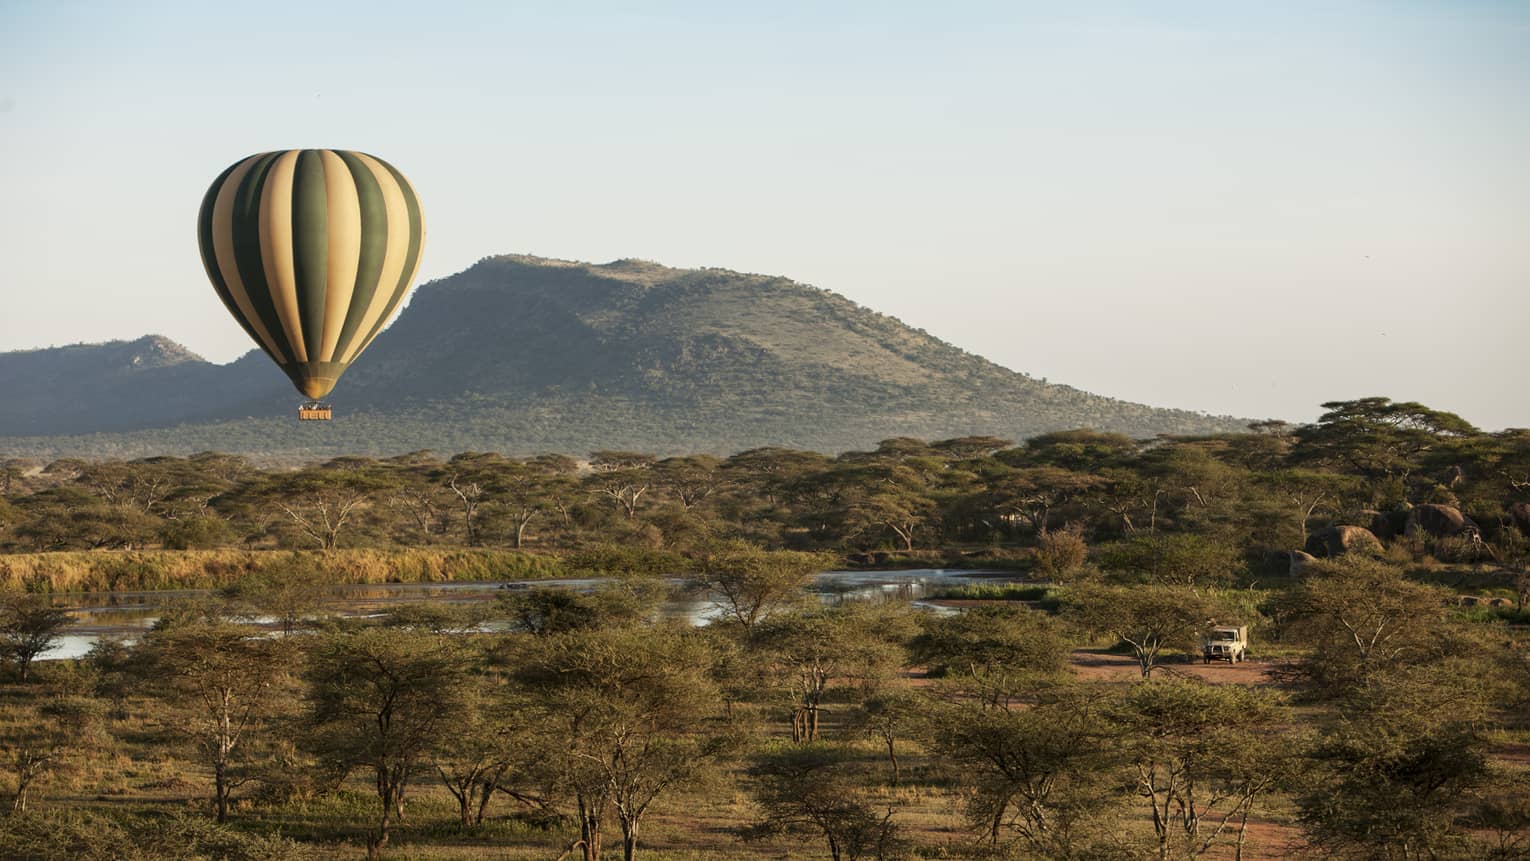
[523,354]
[116,386]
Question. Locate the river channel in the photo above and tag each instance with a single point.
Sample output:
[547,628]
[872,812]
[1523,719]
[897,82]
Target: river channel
[126,614]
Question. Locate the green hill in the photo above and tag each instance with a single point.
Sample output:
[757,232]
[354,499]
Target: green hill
[523,354]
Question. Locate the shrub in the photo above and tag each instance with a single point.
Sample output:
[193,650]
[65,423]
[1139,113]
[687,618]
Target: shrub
[1061,552]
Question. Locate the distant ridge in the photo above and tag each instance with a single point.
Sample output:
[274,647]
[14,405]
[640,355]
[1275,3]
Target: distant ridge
[524,354]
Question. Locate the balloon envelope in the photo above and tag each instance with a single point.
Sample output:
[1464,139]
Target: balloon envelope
[311,251]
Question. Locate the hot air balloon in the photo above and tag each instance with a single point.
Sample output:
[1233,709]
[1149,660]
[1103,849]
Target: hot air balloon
[311,251]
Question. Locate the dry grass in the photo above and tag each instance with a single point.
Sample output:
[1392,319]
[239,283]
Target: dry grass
[145,775]
[103,570]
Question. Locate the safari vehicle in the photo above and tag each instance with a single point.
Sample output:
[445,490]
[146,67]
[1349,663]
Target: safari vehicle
[1225,643]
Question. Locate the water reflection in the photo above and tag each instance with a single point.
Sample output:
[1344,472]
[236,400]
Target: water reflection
[125,615]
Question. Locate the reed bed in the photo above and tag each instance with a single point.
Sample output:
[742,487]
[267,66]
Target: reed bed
[112,571]
[989,592]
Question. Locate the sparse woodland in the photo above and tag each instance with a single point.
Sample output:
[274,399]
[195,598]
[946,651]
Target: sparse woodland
[1378,557]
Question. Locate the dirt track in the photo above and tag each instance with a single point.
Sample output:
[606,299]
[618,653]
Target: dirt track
[1096,665]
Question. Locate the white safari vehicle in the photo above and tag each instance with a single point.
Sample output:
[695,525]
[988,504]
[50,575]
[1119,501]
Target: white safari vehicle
[1225,643]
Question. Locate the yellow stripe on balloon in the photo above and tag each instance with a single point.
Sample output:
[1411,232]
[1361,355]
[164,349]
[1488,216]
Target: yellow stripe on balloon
[276,249]
[344,207]
[223,250]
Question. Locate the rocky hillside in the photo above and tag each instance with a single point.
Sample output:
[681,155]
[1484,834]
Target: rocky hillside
[522,354]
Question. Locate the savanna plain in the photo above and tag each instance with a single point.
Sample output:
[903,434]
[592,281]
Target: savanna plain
[643,659]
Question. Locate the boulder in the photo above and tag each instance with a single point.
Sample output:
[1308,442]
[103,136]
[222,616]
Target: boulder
[1300,559]
[1439,521]
[1375,521]
[1339,540]
[1389,524]
[1519,513]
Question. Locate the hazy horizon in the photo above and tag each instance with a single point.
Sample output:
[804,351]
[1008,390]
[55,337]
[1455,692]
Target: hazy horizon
[1210,206]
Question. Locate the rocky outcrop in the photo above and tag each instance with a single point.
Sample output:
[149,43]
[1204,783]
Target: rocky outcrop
[1339,540]
[1439,521]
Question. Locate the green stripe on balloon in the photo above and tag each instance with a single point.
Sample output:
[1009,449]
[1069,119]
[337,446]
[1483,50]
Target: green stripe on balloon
[210,256]
[374,248]
[310,246]
[245,226]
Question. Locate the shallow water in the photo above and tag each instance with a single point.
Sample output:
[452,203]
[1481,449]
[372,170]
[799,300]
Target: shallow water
[125,615]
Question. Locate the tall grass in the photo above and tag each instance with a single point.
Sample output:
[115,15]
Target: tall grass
[989,592]
[106,571]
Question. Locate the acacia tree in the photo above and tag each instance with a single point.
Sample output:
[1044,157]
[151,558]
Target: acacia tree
[1362,616]
[689,480]
[624,477]
[750,583]
[771,472]
[1031,494]
[623,714]
[1041,772]
[29,626]
[1395,774]
[223,684]
[998,652]
[1149,619]
[529,489]
[1202,756]
[474,479]
[1376,437]
[802,654]
[292,589]
[421,493]
[379,698]
[889,714]
[475,759]
[811,789]
[8,517]
[1308,492]
[1174,559]
[68,517]
[881,496]
[320,503]
[1127,495]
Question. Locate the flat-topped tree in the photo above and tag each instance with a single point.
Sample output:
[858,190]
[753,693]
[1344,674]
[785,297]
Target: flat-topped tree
[750,583]
[29,626]
[1376,437]
[1203,756]
[1001,653]
[622,716]
[1043,772]
[223,683]
[319,503]
[623,477]
[379,698]
[1149,619]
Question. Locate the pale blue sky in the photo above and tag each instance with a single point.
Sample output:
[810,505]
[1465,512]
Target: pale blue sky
[1236,207]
